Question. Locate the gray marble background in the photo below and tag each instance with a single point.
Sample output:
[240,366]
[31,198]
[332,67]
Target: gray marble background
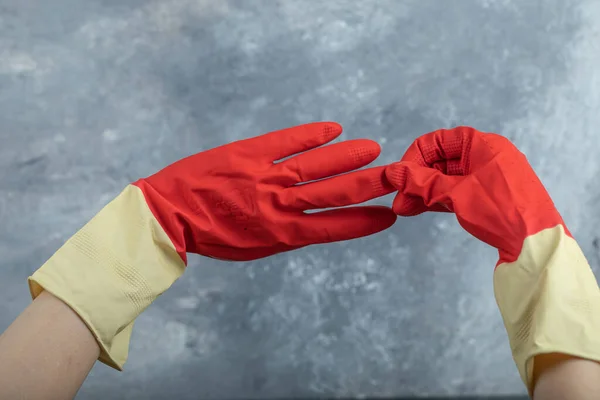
[96,93]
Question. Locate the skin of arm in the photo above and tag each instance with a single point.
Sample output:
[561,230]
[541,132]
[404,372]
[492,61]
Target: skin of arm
[46,353]
[563,377]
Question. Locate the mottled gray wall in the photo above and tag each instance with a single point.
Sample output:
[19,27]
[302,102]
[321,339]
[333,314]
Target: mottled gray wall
[96,93]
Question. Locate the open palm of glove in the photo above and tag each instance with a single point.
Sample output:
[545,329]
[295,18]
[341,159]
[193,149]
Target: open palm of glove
[481,177]
[235,202]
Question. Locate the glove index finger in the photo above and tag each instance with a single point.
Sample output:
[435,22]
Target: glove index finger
[420,188]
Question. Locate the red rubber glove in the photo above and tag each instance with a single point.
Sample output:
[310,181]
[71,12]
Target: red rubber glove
[234,203]
[545,289]
[481,177]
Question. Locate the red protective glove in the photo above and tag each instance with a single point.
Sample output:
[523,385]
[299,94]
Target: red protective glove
[234,203]
[545,289]
[481,177]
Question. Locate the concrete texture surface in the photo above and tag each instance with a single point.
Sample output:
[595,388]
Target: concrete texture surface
[96,93]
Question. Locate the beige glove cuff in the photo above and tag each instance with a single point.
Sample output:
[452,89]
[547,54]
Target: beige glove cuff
[111,270]
[549,300]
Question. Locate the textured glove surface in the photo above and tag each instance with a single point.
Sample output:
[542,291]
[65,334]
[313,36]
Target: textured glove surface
[481,177]
[545,289]
[235,202]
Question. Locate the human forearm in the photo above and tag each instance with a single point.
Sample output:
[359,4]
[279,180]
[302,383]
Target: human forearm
[563,377]
[238,202]
[47,352]
[549,301]
[546,291]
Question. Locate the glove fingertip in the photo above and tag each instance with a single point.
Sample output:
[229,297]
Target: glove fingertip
[377,219]
[331,129]
[396,175]
[408,206]
[387,216]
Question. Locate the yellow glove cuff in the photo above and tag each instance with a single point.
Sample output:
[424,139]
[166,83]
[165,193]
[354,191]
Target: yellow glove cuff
[111,270]
[549,301]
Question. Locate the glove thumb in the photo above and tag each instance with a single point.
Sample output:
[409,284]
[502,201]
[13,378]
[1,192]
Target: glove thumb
[421,188]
